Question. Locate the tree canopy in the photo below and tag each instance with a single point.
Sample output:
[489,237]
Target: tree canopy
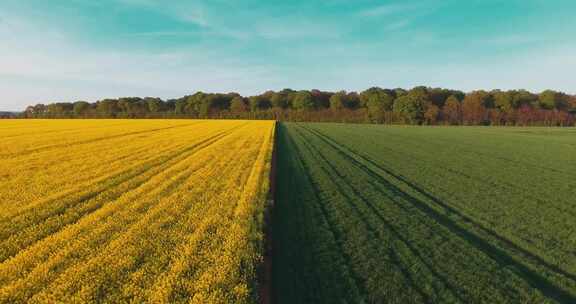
[419,105]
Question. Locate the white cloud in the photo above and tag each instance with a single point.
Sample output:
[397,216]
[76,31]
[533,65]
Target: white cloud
[275,29]
[163,34]
[388,9]
[40,64]
[512,39]
[190,11]
[394,26]
[196,16]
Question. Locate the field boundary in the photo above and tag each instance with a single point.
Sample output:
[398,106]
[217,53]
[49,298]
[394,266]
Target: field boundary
[265,280]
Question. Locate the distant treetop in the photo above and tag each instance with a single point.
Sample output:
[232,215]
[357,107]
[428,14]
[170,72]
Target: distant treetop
[419,105]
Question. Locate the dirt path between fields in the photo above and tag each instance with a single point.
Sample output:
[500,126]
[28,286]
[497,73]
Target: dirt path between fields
[266,271]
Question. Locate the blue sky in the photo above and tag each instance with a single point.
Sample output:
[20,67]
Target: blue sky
[86,50]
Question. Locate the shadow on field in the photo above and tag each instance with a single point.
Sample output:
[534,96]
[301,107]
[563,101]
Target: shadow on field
[358,194]
[421,200]
[304,238]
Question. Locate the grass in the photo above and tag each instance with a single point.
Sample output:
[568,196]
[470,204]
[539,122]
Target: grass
[169,211]
[374,214]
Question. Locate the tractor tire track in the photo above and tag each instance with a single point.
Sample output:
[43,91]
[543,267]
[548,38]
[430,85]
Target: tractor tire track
[336,236]
[457,292]
[497,253]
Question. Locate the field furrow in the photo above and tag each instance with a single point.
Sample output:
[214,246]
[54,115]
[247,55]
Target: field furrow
[456,210]
[124,230]
[394,212]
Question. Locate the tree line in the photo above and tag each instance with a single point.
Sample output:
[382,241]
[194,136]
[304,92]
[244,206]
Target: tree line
[4,114]
[419,105]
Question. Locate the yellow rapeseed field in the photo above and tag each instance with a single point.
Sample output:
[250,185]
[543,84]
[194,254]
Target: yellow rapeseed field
[158,211]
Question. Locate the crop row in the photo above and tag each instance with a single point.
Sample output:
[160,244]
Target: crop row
[172,211]
[163,226]
[398,241]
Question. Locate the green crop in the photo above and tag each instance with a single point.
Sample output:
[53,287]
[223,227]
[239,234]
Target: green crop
[375,214]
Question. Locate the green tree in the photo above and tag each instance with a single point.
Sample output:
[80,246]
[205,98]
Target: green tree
[81,107]
[399,92]
[338,101]
[194,102]
[377,98]
[377,101]
[352,100]
[153,104]
[205,107]
[132,105]
[303,101]
[258,102]
[278,100]
[107,107]
[211,104]
[503,100]
[320,99]
[180,106]
[438,96]
[553,100]
[60,108]
[40,108]
[237,105]
[411,107]
[522,98]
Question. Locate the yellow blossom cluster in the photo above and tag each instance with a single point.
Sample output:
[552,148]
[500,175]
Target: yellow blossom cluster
[159,211]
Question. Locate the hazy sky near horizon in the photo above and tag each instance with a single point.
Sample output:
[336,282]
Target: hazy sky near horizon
[68,50]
